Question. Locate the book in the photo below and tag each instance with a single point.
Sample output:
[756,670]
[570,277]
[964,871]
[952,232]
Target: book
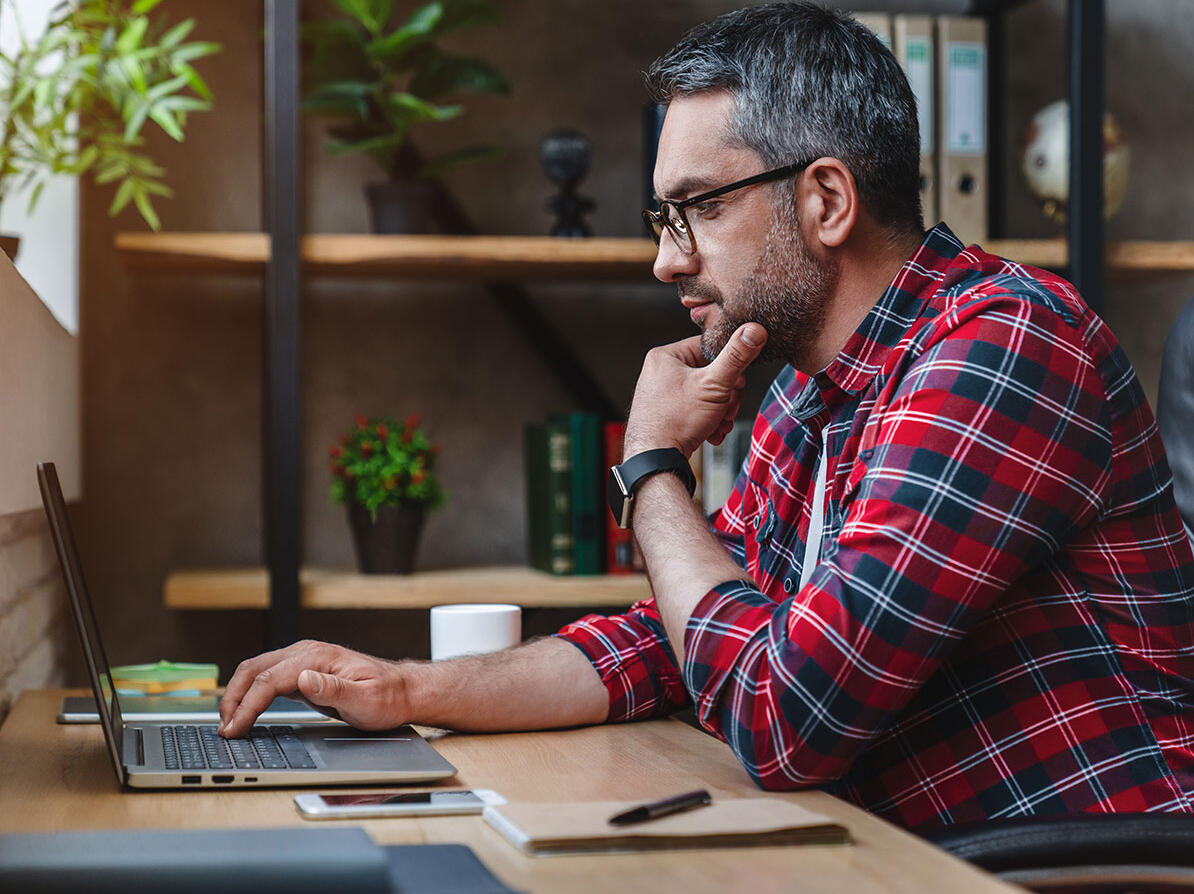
[962,146]
[619,542]
[546,449]
[587,502]
[543,829]
[559,498]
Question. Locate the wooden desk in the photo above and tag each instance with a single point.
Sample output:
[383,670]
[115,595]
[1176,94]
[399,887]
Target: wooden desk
[60,777]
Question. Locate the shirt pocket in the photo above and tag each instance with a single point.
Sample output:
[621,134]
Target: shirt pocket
[760,518]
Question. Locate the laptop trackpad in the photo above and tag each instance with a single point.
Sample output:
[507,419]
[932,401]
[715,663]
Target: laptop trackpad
[354,750]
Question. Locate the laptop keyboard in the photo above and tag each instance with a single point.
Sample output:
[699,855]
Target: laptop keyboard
[202,748]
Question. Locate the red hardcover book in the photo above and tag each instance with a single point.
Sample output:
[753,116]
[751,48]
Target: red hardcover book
[619,542]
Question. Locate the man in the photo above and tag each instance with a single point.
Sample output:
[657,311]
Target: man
[951,582]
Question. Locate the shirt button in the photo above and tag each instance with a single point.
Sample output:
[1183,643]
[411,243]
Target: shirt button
[788,585]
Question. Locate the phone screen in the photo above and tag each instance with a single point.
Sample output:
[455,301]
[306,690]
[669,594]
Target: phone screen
[371,798]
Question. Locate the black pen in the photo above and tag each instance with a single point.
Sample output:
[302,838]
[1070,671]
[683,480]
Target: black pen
[666,807]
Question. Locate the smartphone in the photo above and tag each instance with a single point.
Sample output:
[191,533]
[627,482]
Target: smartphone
[377,804]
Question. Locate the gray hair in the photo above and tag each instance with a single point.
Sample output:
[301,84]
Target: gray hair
[808,82]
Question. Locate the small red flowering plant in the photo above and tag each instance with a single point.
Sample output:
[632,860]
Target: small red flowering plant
[384,462]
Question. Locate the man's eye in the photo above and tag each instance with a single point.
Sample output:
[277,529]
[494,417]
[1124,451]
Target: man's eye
[706,209]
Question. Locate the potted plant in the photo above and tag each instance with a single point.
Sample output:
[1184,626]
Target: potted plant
[383,80]
[384,472]
[78,99]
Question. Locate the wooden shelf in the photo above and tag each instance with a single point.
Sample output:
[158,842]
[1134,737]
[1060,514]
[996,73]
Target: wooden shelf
[1122,257]
[330,589]
[524,257]
[430,257]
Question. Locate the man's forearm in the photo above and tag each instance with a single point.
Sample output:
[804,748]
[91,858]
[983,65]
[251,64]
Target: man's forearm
[543,684]
[684,560]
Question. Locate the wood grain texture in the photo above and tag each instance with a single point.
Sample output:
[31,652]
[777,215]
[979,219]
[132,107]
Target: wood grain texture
[59,778]
[322,588]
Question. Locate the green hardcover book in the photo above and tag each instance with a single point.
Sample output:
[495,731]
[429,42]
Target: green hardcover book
[584,430]
[538,539]
[559,502]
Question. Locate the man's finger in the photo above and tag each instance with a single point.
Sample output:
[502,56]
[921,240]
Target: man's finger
[739,353]
[242,679]
[281,678]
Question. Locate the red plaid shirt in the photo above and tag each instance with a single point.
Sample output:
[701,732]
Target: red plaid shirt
[1002,619]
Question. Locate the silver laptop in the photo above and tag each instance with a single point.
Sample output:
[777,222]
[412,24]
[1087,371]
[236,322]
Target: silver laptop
[157,754]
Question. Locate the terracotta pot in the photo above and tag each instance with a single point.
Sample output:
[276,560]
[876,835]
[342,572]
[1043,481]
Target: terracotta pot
[403,206]
[9,245]
[388,545]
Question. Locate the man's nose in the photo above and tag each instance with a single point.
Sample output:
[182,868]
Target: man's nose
[671,262]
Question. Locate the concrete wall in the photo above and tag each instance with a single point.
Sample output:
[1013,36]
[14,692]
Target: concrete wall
[172,364]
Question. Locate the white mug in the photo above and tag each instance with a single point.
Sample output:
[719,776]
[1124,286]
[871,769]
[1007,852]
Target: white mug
[474,629]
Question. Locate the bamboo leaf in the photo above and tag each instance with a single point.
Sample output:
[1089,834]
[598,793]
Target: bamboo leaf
[131,37]
[135,122]
[165,120]
[177,34]
[123,194]
[197,50]
[141,198]
[34,196]
[143,6]
[195,81]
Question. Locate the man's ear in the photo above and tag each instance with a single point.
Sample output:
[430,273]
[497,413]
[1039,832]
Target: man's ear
[829,201]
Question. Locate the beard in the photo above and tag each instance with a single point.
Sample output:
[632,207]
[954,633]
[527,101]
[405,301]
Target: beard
[786,293]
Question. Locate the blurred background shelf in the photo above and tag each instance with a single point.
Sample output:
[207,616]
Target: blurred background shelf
[436,257]
[524,257]
[322,588]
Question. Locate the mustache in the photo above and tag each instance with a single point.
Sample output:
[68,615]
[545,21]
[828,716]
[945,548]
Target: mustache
[699,290]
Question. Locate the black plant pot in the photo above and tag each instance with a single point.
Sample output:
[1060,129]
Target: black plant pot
[403,206]
[388,545]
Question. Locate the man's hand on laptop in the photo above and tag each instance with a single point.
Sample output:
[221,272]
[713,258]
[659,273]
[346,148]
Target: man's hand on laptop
[364,691]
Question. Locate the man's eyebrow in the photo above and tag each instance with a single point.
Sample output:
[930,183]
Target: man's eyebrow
[688,186]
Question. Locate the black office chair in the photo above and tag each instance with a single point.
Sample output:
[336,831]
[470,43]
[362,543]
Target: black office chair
[1140,853]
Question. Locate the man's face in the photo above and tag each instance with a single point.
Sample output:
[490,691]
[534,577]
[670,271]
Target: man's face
[751,263]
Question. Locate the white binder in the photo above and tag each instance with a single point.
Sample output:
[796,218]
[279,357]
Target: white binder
[962,137]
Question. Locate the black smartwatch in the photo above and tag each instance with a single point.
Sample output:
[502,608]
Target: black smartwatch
[625,478]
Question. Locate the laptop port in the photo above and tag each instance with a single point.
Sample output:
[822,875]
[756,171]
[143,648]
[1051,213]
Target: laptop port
[191,780]
[223,779]
[250,779]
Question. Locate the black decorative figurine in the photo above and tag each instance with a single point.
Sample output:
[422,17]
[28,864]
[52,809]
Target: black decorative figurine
[564,155]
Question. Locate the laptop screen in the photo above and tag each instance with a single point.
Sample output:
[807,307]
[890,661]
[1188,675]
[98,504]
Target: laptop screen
[76,588]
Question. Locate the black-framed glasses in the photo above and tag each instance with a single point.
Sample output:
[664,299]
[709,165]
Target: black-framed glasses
[671,216]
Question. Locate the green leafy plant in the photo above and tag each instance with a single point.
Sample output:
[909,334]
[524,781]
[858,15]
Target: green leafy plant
[384,462]
[78,99]
[383,80]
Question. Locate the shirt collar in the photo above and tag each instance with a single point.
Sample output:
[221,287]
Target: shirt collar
[901,304]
